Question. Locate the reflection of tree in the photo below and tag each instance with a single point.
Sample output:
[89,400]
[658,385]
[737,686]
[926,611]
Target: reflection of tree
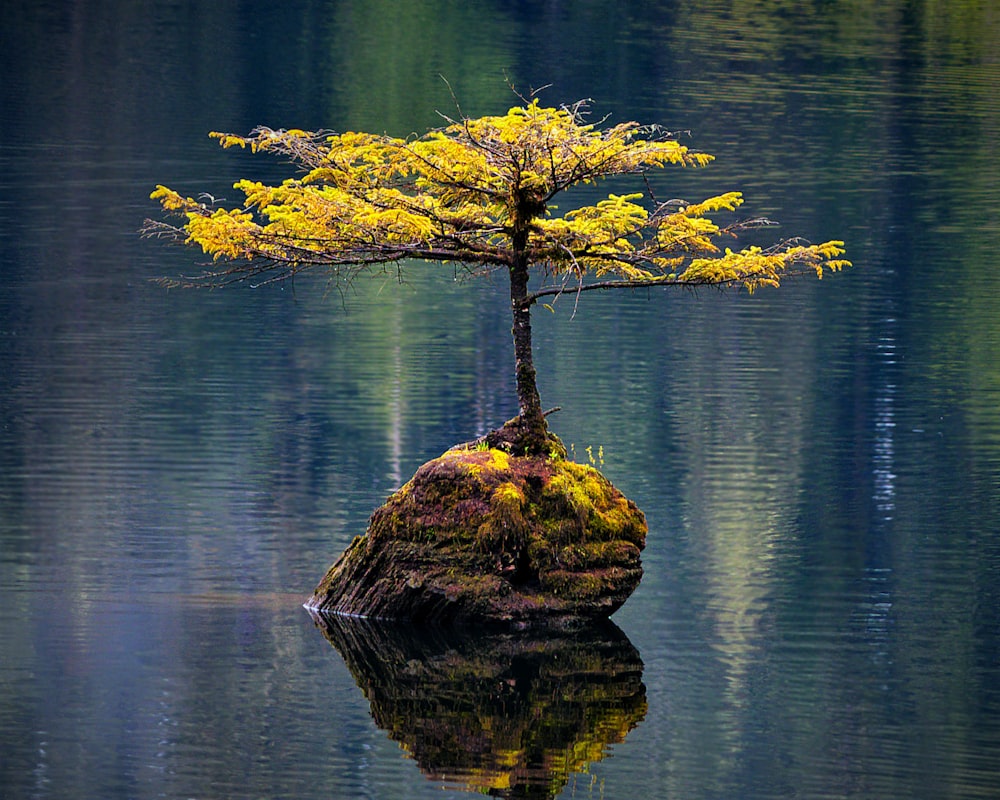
[509,713]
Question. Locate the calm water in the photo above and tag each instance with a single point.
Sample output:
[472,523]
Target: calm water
[820,466]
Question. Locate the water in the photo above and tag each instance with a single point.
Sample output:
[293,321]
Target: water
[820,466]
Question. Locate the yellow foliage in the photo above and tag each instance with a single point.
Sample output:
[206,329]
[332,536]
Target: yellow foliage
[170,200]
[228,139]
[754,267]
[479,191]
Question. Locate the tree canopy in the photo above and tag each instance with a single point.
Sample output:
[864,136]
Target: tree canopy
[479,192]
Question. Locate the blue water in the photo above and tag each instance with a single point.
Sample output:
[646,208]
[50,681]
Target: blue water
[819,466]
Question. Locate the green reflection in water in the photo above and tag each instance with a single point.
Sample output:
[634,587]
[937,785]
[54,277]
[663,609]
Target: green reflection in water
[749,429]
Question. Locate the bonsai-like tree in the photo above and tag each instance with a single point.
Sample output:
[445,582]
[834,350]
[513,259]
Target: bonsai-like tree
[479,192]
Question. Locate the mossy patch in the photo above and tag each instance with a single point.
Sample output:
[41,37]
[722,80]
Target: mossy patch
[479,533]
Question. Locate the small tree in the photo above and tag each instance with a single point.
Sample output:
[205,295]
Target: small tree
[479,192]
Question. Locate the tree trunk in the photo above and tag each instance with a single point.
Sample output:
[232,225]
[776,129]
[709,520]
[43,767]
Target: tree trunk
[529,402]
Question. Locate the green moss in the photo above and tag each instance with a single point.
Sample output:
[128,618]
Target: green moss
[565,531]
[495,535]
[581,492]
[477,462]
[508,496]
[557,450]
[596,555]
[619,520]
[504,527]
[565,583]
[541,553]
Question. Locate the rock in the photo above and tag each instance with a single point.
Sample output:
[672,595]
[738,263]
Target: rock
[479,535]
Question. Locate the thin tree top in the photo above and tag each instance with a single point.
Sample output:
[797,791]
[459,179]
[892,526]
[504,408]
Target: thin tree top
[478,192]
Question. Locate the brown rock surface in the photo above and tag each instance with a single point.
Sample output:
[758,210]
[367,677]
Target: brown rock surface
[479,534]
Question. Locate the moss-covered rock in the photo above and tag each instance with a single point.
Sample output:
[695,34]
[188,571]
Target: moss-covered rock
[481,534]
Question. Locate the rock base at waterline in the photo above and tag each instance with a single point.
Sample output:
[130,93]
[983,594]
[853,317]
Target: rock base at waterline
[479,535]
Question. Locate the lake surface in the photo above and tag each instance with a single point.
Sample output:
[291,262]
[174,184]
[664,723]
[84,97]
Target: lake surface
[819,465]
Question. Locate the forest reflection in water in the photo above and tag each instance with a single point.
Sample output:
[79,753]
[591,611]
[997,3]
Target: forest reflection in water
[507,713]
[820,612]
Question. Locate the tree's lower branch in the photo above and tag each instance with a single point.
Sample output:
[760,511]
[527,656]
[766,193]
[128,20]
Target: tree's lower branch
[555,291]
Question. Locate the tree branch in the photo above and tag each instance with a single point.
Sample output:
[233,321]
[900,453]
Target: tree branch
[656,283]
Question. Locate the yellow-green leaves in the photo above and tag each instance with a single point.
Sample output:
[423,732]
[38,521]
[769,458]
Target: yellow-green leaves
[169,199]
[475,191]
[754,267]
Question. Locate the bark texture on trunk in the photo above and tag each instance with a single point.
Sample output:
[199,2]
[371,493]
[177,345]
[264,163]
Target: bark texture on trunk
[528,399]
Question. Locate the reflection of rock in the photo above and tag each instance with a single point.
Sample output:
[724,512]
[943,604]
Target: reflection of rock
[513,714]
[480,534]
